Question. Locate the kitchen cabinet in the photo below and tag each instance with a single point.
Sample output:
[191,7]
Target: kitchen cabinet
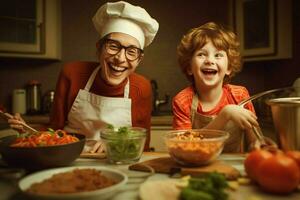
[264,28]
[157,142]
[160,125]
[31,29]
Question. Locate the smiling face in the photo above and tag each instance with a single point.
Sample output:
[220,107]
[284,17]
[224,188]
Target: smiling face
[116,68]
[209,66]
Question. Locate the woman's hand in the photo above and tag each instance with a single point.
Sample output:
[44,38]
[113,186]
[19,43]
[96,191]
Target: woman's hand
[94,146]
[16,123]
[242,117]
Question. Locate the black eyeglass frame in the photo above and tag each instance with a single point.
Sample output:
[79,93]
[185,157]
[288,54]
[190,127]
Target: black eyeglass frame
[120,47]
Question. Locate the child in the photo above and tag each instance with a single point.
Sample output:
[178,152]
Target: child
[209,57]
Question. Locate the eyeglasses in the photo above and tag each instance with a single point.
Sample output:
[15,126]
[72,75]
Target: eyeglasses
[113,47]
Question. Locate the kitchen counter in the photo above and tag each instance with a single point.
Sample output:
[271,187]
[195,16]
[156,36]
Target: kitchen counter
[36,119]
[44,119]
[137,179]
[164,120]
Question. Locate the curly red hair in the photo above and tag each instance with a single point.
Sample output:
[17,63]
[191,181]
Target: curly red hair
[221,38]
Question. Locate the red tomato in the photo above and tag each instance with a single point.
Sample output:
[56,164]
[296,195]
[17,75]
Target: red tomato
[278,174]
[252,161]
[294,155]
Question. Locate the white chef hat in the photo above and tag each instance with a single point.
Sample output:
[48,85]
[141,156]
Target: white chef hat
[126,18]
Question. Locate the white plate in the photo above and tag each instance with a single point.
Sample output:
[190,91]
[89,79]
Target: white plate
[104,193]
[159,190]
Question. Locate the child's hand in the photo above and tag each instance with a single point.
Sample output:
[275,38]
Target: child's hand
[17,123]
[242,117]
[270,144]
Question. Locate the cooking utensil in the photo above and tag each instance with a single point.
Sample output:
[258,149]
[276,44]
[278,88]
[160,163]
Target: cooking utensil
[286,118]
[34,158]
[9,116]
[253,97]
[259,135]
[257,131]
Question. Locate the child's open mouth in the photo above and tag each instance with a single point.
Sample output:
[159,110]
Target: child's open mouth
[209,71]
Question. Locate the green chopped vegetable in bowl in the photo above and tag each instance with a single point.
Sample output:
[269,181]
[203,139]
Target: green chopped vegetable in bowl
[123,145]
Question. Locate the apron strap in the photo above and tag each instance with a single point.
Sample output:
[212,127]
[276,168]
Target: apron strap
[91,79]
[194,107]
[126,90]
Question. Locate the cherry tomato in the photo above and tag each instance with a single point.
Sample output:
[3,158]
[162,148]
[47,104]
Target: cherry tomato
[278,174]
[253,159]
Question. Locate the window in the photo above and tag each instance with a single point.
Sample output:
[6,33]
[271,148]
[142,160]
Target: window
[22,26]
[30,29]
[264,28]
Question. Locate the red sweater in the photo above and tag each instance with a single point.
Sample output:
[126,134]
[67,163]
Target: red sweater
[75,75]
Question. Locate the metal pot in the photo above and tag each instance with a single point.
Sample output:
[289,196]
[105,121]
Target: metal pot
[286,119]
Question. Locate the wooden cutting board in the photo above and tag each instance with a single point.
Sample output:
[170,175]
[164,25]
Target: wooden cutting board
[169,166]
[93,155]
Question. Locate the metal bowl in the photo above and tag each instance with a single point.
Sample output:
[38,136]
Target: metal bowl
[286,118]
[35,158]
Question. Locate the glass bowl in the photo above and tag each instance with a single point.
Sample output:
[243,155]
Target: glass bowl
[195,147]
[123,145]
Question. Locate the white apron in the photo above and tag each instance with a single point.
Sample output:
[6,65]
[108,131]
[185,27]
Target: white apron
[235,141]
[90,112]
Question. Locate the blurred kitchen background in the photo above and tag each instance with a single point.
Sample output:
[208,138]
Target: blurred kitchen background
[67,34]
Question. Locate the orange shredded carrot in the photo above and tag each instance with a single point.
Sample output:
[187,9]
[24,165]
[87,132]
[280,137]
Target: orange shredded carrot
[44,138]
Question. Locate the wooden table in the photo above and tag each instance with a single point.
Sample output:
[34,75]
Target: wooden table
[8,189]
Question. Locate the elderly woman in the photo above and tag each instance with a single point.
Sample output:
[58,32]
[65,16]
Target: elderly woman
[89,94]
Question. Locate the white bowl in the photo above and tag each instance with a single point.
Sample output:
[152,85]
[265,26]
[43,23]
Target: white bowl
[104,193]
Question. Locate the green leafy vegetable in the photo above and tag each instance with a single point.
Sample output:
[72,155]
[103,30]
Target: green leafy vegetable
[51,130]
[210,187]
[109,126]
[124,144]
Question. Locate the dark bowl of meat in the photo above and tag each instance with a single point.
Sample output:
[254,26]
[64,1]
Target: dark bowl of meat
[41,150]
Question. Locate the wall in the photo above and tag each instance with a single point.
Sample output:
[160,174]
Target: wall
[175,18]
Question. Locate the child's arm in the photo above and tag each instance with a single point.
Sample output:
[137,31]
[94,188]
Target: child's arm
[242,117]
[181,115]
